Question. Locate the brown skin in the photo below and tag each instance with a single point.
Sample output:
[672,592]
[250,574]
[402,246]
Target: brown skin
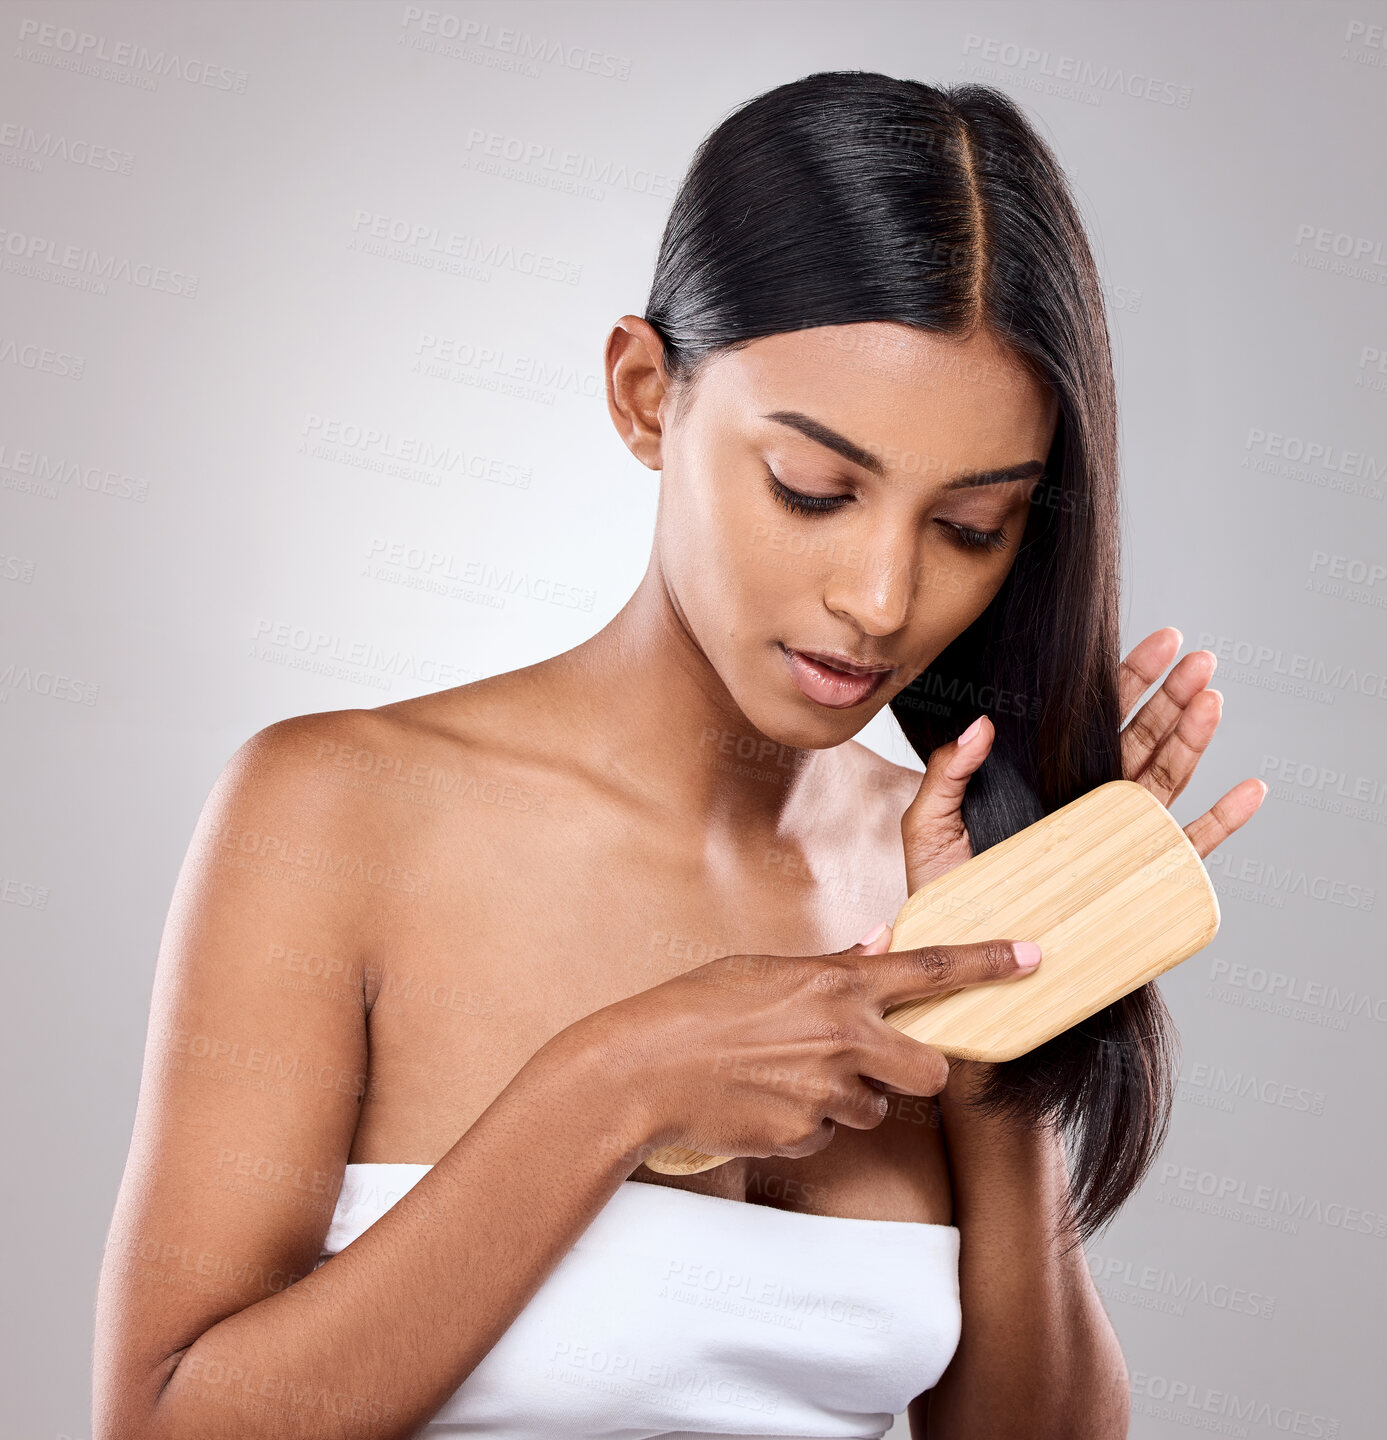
[473,930]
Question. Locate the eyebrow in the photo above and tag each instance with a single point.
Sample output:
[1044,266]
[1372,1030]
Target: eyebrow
[850,450]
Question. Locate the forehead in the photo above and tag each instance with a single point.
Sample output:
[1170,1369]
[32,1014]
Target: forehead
[885,384]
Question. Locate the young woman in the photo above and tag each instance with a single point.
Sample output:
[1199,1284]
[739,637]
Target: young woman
[439,976]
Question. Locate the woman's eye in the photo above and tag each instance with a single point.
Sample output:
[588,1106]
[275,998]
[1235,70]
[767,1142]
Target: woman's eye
[972,539]
[798,503]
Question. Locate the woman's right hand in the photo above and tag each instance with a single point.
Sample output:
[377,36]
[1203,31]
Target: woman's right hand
[760,1055]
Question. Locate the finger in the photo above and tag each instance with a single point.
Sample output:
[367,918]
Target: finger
[1169,769]
[874,942]
[946,775]
[902,975]
[858,1104]
[904,1066]
[1144,665]
[821,1139]
[1235,809]
[1161,713]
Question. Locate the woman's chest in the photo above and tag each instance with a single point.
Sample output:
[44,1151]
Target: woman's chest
[495,960]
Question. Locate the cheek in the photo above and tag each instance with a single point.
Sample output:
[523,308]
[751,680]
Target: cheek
[727,561]
[954,590]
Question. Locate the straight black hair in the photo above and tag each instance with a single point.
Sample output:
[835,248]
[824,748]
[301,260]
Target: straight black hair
[850,196]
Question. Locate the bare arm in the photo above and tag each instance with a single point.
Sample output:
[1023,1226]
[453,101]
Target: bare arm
[1037,1357]
[392,1325]
[211,1320]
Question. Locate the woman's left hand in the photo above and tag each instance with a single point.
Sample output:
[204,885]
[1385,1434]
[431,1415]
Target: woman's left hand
[1163,743]
[1161,746]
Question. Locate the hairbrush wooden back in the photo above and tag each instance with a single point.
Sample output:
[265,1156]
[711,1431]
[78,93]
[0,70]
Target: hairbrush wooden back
[1111,889]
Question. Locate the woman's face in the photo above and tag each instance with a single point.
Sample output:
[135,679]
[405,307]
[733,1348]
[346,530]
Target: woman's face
[839,500]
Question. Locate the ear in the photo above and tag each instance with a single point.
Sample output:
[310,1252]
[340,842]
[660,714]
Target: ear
[638,387]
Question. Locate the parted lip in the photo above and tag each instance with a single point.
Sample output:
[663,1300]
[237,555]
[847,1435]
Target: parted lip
[837,661]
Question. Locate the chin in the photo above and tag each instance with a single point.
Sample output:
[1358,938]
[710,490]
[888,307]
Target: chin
[799,723]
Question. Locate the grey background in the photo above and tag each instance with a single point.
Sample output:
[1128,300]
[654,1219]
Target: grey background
[202,564]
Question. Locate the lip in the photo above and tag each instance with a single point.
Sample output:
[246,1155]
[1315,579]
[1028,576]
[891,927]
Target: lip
[824,677]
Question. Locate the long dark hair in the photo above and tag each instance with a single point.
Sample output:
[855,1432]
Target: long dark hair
[849,196]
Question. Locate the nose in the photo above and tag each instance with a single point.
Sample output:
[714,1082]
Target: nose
[877,595]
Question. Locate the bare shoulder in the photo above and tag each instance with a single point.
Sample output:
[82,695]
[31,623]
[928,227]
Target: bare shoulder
[318,779]
[361,771]
[383,741]
[392,805]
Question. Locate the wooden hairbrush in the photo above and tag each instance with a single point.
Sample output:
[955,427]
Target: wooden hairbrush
[1109,886]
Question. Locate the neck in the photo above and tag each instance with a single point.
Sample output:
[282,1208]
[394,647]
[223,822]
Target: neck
[648,711]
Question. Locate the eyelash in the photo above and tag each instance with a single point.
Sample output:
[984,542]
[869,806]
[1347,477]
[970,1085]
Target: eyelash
[798,503]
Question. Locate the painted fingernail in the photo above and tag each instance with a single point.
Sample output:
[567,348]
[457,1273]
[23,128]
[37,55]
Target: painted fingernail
[875,934]
[1027,954]
[970,731]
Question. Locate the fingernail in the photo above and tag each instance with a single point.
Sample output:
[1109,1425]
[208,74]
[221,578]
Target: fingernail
[875,934]
[1027,954]
[970,731]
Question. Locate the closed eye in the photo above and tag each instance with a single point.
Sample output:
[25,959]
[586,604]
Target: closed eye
[798,503]
[972,539]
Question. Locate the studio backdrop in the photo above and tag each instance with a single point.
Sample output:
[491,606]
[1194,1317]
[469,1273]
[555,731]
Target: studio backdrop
[302,310]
